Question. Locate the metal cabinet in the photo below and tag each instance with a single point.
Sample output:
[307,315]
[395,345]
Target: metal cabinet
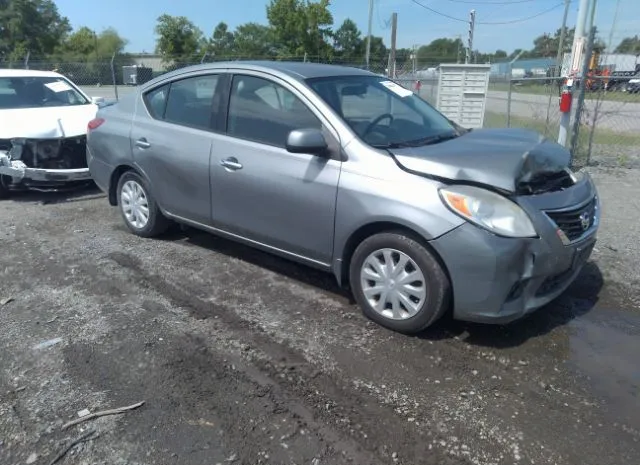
[462,93]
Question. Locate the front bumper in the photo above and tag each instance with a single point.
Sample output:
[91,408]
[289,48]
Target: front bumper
[17,170]
[499,280]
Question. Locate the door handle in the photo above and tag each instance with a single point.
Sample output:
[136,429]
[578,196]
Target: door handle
[142,143]
[231,163]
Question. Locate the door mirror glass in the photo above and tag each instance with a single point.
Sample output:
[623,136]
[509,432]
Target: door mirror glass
[307,141]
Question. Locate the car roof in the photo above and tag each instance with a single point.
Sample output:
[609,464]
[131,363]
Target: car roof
[27,73]
[303,70]
[293,69]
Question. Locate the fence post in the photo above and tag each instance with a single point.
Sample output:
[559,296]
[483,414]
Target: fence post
[581,92]
[113,76]
[509,92]
[26,60]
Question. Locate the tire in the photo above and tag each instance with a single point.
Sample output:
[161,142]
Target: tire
[4,187]
[156,223]
[434,283]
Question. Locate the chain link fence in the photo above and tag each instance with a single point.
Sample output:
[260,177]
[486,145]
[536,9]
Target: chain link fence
[608,131]
[111,77]
[608,126]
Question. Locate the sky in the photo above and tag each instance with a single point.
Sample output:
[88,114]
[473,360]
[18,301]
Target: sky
[135,19]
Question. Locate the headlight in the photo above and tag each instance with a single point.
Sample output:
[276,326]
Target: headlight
[488,210]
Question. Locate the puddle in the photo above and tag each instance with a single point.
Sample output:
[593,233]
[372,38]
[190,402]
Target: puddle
[605,347]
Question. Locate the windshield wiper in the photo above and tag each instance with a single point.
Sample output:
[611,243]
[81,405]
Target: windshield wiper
[429,140]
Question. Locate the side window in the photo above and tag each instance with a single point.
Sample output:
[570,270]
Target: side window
[156,100]
[263,111]
[190,101]
[187,102]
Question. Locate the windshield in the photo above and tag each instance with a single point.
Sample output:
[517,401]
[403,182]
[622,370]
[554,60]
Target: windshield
[383,113]
[38,92]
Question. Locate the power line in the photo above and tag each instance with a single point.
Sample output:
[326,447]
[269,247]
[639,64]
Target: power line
[498,2]
[380,22]
[489,22]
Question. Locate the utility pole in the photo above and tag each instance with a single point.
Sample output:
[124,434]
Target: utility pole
[414,59]
[368,52]
[472,25]
[576,55]
[394,29]
[583,84]
[560,57]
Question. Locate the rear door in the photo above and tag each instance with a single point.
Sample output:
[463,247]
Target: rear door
[171,142]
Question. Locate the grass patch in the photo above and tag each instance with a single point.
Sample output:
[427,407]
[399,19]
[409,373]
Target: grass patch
[602,136]
[552,89]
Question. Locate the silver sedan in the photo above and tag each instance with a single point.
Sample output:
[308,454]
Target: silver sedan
[349,172]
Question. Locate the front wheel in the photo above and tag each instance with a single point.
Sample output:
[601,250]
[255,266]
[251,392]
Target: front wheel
[398,282]
[139,209]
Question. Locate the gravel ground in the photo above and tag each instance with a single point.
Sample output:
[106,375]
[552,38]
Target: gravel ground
[241,357]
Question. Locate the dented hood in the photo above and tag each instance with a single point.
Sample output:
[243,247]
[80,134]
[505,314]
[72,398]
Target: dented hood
[501,158]
[46,123]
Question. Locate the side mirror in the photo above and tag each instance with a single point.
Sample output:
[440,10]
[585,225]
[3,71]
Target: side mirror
[306,141]
[97,100]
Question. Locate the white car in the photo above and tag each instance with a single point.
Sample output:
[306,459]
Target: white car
[43,127]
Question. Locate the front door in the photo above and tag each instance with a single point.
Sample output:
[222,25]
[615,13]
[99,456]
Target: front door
[172,137]
[262,192]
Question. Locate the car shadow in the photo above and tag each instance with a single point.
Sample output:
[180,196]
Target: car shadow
[576,301]
[72,193]
[287,268]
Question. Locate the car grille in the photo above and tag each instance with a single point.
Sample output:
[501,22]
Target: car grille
[574,223]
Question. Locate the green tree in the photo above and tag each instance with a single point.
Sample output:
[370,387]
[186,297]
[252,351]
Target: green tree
[525,54]
[378,51]
[500,55]
[221,43]
[85,56]
[179,40]
[442,50]
[319,35]
[80,44]
[110,42]
[629,45]
[547,45]
[253,40]
[85,45]
[301,26]
[33,26]
[348,42]
[287,19]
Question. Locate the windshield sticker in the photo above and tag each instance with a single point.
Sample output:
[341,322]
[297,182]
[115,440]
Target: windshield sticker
[58,86]
[397,89]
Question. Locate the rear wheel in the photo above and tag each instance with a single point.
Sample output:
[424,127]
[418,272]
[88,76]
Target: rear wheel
[4,186]
[138,207]
[398,283]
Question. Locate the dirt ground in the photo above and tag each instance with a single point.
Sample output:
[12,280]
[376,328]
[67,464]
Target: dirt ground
[244,358]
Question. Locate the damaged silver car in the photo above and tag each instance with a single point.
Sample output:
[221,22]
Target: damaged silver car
[351,173]
[43,125]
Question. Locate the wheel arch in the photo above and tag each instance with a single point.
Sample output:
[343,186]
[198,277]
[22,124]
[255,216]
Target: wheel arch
[115,177]
[370,229]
